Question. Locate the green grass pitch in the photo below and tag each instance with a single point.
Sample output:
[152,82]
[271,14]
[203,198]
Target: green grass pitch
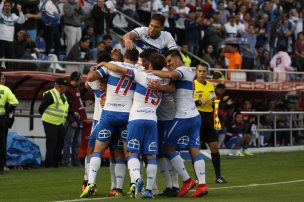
[263,177]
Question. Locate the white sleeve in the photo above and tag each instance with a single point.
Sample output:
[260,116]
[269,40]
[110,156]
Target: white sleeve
[103,72]
[171,44]
[140,31]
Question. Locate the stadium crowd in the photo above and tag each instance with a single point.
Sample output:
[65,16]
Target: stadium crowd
[263,35]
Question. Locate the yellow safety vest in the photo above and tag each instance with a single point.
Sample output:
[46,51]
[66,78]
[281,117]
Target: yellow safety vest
[220,74]
[186,59]
[57,112]
[6,95]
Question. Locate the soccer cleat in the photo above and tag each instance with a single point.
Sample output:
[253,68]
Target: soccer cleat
[112,192]
[166,192]
[84,185]
[201,190]
[220,180]
[174,192]
[89,190]
[119,193]
[239,153]
[148,194]
[132,190]
[138,188]
[187,185]
[247,153]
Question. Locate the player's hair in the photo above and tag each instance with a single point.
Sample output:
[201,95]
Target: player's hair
[202,64]
[173,53]
[157,61]
[147,53]
[159,17]
[132,54]
[117,56]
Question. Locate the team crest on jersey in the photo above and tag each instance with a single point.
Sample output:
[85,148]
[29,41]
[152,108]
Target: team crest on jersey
[124,134]
[184,140]
[153,146]
[133,144]
[197,141]
[103,134]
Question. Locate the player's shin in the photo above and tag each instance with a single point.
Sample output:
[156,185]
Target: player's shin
[151,173]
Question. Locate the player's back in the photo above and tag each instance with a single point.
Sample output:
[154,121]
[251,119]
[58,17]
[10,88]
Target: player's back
[185,105]
[98,94]
[145,100]
[120,89]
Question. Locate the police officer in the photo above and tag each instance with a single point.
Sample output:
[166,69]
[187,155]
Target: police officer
[8,103]
[54,109]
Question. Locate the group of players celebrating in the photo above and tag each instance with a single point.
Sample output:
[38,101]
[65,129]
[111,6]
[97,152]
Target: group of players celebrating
[149,114]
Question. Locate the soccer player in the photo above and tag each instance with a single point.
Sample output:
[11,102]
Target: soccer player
[204,95]
[187,121]
[151,37]
[142,128]
[114,118]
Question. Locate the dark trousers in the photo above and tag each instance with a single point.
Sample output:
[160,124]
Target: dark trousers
[52,37]
[248,63]
[54,144]
[7,51]
[3,138]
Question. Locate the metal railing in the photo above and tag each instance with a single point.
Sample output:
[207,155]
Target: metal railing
[275,129]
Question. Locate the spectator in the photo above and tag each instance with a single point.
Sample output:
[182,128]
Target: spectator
[281,63]
[73,126]
[193,33]
[224,14]
[80,50]
[51,16]
[209,55]
[32,14]
[102,17]
[239,136]
[184,54]
[144,11]
[240,27]
[230,27]
[54,109]
[129,8]
[235,61]
[213,33]
[7,28]
[263,63]
[107,39]
[72,21]
[181,13]
[262,33]
[248,52]
[285,33]
[89,31]
[299,52]
[217,74]
[102,54]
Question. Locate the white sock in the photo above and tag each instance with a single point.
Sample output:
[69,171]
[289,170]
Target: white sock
[199,167]
[151,173]
[120,172]
[86,168]
[164,170]
[112,173]
[134,167]
[173,174]
[178,164]
[94,167]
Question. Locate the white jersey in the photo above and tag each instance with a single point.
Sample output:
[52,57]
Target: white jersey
[145,100]
[185,105]
[120,89]
[98,94]
[161,44]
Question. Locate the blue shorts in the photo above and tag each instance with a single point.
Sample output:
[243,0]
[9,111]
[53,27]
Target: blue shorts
[111,123]
[116,142]
[92,137]
[184,131]
[142,137]
[231,143]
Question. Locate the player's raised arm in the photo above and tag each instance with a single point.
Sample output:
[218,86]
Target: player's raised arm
[93,75]
[167,74]
[116,68]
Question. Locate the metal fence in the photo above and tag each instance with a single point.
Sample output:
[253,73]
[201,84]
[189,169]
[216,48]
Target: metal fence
[295,122]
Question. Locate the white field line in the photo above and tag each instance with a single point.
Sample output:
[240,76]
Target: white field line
[215,188]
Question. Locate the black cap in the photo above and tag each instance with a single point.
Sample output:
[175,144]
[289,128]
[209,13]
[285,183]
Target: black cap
[75,76]
[61,81]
